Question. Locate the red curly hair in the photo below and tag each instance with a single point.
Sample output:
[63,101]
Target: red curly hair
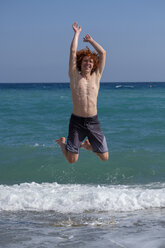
[87,52]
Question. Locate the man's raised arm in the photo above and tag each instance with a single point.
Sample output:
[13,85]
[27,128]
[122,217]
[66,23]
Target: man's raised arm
[73,48]
[99,49]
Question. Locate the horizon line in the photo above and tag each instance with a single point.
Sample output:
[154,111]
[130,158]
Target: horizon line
[69,82]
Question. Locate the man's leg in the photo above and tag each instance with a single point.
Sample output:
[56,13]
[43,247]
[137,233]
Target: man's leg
[103,156]
[86,145]
[70,156]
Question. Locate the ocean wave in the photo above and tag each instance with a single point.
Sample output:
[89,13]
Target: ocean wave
[77,198]
[124,86]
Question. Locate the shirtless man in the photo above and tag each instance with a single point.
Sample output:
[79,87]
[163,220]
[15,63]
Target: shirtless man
[85,70]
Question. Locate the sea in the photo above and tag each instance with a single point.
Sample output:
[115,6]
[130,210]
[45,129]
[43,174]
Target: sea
[45,202]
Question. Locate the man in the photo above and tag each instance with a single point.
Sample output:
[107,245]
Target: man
[85,70]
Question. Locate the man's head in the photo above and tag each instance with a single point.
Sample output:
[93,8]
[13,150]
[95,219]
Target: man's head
[87,61]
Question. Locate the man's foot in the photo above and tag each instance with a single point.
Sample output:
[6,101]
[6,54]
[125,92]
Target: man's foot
[86,145]
[61,141]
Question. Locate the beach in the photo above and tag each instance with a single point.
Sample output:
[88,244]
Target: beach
[46,202]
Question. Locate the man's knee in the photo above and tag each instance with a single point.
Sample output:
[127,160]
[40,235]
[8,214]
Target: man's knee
[104,156]
[72,157]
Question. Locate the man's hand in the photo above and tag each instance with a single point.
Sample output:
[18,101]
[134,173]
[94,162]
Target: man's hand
[76,28]
[87,38]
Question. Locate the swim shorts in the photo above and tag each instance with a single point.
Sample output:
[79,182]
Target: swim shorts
[82,127]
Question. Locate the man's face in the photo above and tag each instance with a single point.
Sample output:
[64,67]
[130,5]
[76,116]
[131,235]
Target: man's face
[87,64]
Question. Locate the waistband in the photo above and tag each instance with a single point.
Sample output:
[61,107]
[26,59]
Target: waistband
[91,118]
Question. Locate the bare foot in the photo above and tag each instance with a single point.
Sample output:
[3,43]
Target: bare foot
[86,145]
[60,141]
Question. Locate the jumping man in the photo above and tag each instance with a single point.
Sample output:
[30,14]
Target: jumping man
[85,71]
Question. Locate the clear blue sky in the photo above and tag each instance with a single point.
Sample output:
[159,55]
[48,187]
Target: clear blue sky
[35,37]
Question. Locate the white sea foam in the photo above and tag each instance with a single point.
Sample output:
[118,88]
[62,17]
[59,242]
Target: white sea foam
[80,198]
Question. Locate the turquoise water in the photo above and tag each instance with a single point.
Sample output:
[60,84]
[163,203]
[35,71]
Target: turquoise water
[46,202]
[132,119]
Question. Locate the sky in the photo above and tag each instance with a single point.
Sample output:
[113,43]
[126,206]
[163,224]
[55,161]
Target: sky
[35,38]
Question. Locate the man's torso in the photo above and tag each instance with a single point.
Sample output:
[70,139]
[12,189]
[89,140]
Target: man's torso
[84,94]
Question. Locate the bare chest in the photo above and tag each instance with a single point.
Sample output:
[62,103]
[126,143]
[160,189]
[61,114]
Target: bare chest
[85,87]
